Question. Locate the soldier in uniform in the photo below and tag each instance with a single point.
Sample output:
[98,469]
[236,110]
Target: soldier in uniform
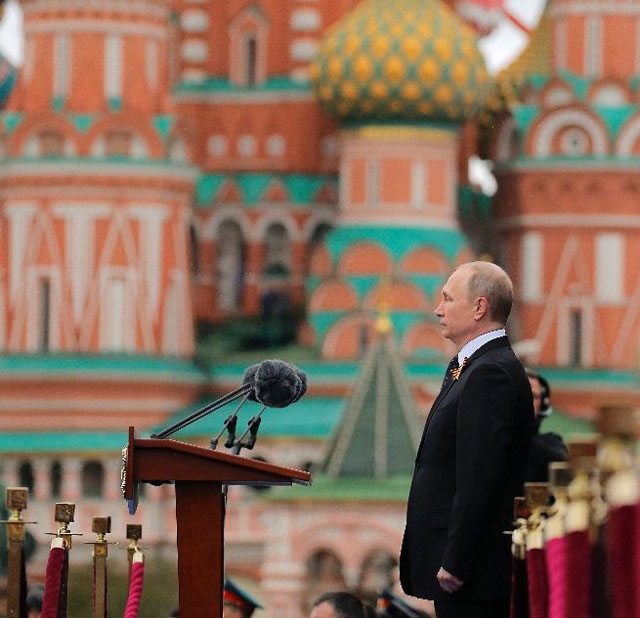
[236,603]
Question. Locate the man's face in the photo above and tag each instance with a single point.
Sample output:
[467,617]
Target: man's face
[324,610]
[536,391]
[456,311]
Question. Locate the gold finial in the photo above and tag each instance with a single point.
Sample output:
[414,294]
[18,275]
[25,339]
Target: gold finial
[383,324]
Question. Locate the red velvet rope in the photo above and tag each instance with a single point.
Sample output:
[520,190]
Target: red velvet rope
[557,571]
[519,592]
[621,527]
[135,590]
[53,582]
[537,577]
[579,574]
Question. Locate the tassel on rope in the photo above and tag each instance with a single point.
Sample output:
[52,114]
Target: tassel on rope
[135,585]
[54,576]
[537,498]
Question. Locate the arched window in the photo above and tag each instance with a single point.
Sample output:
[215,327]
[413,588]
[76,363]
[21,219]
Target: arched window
[55,479]
[118,144]
[92,479]
[230,265]
[195,250]
[25,476]
[277,259]
[250,58]
[51,144]
[324,574]
[376,574]
[248,33]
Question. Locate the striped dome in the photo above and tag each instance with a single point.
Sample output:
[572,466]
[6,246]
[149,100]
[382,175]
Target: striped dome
[400,59]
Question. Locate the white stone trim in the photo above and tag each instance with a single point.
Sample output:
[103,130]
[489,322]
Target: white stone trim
[531,267]
[152,51]
[281,216]
[150,8]
[241,97]
[61,65]
[113,56]
[225,213]
[555,121]
[194,50]
[598,7]
[552,220]
[303,50]
[305,20]
[194,20]
[561,47]
[593,46]
[628,136]
[96,26]
[609,253]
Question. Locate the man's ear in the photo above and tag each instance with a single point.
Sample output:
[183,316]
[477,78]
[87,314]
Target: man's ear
[482,308]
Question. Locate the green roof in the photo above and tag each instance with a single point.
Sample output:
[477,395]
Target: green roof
[380,429]
[301,189]
[397,240]
[61,442]
[130,364]
[346,489]
[215,83]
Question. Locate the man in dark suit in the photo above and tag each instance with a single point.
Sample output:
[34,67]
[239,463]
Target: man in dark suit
[472,457]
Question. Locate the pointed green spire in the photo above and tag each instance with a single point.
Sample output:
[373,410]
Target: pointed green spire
[379,432]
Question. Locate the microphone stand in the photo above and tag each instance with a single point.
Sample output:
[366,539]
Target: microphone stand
[245,389]
[252,431]
[229,424]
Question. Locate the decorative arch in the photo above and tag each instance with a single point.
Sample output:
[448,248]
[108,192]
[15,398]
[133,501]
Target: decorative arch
[424,339]
[397,296]
[628,143]
[32,131]
[230,261]
[92,479]
[333,295]
[137,126]
[248,34]
[424,261]
[344,340]
[541,142]
[556,93]
[365,258]
[610,93]
[464,255]
[225,213]
[281,218]
[277,250]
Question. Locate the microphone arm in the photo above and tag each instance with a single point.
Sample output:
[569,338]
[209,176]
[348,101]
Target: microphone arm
[243,390]
[252,431]
[229,424]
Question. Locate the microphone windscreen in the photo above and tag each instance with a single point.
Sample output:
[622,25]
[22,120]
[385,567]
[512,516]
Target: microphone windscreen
[249,378]
[302,378]
[277,383]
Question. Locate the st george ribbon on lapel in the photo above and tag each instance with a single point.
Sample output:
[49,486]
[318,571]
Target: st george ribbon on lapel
[448,376]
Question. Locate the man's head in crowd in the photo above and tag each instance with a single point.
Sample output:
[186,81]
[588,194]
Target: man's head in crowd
[340,605]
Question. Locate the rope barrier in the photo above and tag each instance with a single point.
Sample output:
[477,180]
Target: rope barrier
[621,546]
[556,555]
[519,592]
[54,576]
[135,586]
[578,602]
[537,578]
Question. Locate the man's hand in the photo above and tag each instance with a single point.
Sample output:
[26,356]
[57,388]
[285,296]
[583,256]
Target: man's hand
[448,582]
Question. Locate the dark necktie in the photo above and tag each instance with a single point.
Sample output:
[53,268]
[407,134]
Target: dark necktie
[453,364]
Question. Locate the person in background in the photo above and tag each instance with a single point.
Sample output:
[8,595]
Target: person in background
[340,605]
[236,603]
[392,606]
[35,597]
[545,447]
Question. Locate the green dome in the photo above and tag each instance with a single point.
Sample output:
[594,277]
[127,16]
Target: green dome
[400,59]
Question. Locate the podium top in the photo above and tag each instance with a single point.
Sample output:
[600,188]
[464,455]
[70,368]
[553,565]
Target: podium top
[162,460]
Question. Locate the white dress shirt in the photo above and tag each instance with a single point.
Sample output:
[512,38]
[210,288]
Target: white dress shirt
[471,346]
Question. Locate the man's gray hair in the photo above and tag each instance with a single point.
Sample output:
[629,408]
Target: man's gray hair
[492,282]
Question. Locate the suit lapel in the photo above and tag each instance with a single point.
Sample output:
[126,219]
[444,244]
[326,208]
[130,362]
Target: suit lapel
[493,344]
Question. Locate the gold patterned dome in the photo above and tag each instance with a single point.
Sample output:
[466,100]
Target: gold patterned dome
[400,60]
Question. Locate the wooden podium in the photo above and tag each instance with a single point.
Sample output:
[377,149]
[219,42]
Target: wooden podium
[199,475]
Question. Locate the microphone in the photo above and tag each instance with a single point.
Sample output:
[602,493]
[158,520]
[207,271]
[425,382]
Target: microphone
[277,384]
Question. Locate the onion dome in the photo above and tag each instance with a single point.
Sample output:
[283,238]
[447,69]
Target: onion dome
[402,60]
[7,79]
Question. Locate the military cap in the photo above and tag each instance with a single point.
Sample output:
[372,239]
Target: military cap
[238,597]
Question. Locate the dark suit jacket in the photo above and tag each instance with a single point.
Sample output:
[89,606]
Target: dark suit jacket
[470,465]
